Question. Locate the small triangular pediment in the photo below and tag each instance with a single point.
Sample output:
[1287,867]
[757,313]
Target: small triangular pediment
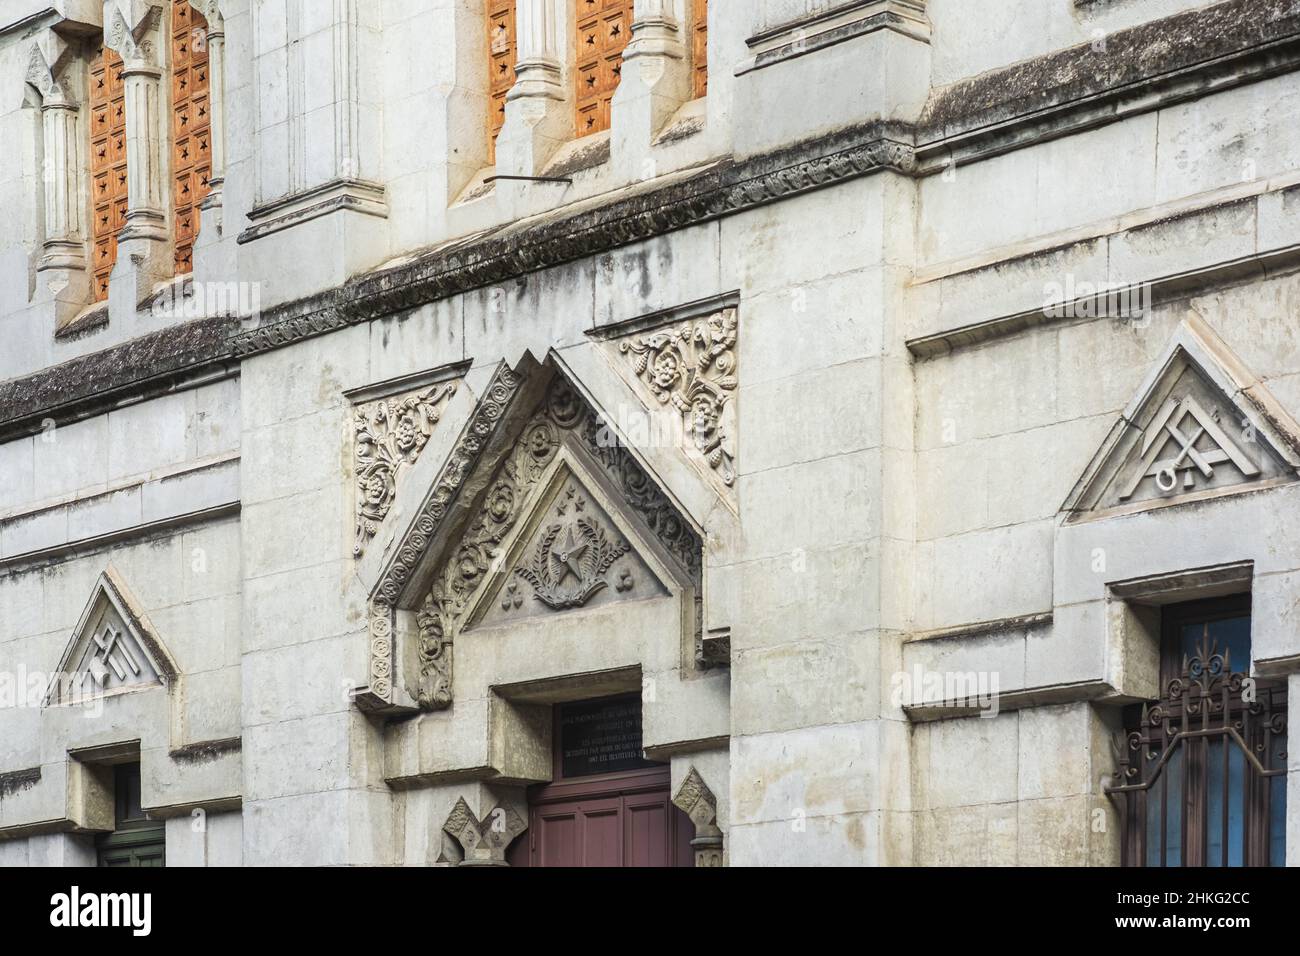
[112,650]
[1200,426]
[571,554]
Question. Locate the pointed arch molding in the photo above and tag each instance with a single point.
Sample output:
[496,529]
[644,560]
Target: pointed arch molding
[1200,426]
[516,490]
[113,649]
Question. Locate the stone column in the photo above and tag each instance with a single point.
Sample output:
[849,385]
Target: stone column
[132,29]
[63,260]
[656,82]
[538,107]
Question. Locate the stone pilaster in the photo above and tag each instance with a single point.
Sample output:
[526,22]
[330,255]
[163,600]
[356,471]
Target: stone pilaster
[656,82]
[539,117]
[62,265]
[134,30]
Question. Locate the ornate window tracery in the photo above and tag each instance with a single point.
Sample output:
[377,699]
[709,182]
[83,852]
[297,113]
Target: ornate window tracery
[108,176]
[603,30]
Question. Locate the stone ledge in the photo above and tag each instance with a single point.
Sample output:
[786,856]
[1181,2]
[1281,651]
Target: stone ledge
[82,386]
[1188,41]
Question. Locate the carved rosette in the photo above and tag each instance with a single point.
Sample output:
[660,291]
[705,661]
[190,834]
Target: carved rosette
[692,369]
[443,612]
[390,434]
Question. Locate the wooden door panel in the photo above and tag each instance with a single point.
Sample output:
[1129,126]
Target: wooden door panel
[557,836]
[602,832]
[646,829]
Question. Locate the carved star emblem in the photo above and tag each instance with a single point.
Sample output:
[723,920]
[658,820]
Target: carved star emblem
[569,556]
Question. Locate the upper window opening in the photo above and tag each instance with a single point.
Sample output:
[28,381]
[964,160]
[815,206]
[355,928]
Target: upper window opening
[604,28]
[107,163]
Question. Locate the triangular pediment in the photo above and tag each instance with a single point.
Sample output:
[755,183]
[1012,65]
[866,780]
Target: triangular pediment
[1200,426]
[112,650]
[505,512]
[574,550]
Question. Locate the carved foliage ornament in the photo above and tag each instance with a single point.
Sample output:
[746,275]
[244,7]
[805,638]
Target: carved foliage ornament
[135,43]
[44,77]
[696,800]
[693,369]
[390,435]
[444,608]
[500,393]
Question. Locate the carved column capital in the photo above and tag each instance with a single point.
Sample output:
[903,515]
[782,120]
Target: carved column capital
[211,10]
[696,800]
[485,841]
[47,70]
[132,28]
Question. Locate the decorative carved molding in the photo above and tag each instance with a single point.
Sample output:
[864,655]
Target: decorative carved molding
[443,613]
[693,368]
[113,649]
[728,188]
[1199,426]
[390,434]
[696,800]
[500,394]
[576,547]
[465,568]
[136,41]
[484,841]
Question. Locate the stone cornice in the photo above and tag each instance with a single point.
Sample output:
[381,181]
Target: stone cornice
[1146,68]
[1143,68]
[84,385]
[720,190]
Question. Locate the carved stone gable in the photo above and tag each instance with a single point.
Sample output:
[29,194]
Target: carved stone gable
[1199,427]
[112,650]
[542,537]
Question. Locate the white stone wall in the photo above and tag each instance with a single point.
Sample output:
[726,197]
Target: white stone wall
[908,428]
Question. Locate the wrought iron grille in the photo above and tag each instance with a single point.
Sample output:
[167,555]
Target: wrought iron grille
[1202,771]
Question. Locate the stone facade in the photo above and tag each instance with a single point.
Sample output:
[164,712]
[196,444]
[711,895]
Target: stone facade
[939,337]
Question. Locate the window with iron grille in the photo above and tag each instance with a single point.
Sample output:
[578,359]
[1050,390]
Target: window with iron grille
[604,28]
[107,101]
[1202,770]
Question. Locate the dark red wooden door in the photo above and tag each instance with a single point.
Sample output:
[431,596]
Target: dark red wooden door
[623,819]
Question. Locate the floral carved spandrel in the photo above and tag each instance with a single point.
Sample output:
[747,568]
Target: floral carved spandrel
[390,434]
[692,367]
